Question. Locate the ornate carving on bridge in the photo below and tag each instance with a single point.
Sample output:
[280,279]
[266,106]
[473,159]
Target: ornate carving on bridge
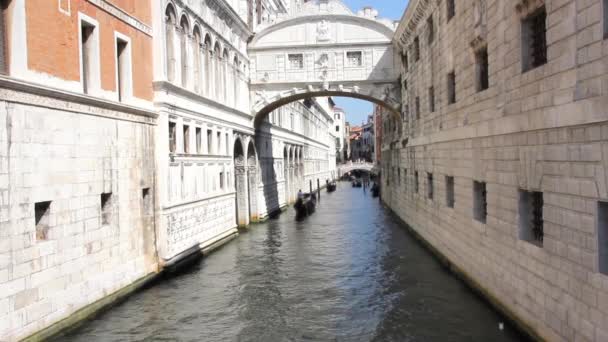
[323,33]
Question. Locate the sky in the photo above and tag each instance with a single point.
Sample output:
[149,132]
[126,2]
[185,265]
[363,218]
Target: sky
[357,110]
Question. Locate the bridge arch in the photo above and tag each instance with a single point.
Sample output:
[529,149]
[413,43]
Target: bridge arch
[324,50]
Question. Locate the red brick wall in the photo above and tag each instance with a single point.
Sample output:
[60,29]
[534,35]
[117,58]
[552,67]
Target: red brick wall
[53,47]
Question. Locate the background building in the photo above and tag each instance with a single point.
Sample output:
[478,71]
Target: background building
[341,135]
[379,112]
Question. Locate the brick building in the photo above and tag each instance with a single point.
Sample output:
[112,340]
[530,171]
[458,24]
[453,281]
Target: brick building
[76,156]
[500,159]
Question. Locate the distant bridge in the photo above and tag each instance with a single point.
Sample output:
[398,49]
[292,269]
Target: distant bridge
[349,167]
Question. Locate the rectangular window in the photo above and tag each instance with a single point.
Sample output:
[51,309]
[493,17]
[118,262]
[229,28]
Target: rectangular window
[399,176]
[602,236]
[534,40]
[186,130]
[106,208]
[481,69]
[221,181]
[219,142]
[3,37]
[354,58]
[431,99]
[416,49]
[431,30]
[605,17]
[429,186]
[451,9]
[227,144]
[172,136]
[480,205]
[296,61]
[405,178]
[531,217]
[449,191]
[209,141]
[146,201]
[404,60]
[199,140]
[123,66]
[417,104]
[416,185]
[42,214]
[452,87]
[87,51]
[337,128]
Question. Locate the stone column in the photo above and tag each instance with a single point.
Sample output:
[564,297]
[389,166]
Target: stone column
[252,179]
[242,194]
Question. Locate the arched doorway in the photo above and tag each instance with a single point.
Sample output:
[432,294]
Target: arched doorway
[241,185]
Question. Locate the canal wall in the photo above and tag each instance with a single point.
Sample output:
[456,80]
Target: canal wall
[76,204]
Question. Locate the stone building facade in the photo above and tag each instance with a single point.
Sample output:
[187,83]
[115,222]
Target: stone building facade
[499,159]
[126,136]
[77,163]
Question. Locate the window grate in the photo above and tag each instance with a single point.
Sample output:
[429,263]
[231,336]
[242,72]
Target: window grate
[534,35]
[296,61]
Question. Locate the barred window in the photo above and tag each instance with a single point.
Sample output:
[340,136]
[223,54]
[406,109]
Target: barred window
[480,198]
[531,217]
[354,58]
[431,99]
[431,30]
[534,39]
[416,49]
[481,69]
[296,61]
[451,10]
[451,87]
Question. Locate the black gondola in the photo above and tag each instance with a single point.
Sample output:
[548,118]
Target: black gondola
[305,206]
[375,190]
[357,183]
[331,186]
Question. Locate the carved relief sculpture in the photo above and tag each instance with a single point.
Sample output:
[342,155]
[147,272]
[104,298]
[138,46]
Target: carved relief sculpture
[323,31]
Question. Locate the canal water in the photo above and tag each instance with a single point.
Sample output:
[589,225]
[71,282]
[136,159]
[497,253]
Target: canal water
[351,272]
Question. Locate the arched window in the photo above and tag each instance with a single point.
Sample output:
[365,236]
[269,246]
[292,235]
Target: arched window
[217,72]
[235,81]
[170,42]
[208,73]
[196,55]
[225,63]
[183,44]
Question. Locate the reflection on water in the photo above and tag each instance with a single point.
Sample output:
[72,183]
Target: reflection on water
[348,273]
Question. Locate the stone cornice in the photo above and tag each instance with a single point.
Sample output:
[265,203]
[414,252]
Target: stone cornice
[236,18]
[172,88]
[387,31]
[218,35]
[322,47]
[415,13]
[123,16]
[18,91]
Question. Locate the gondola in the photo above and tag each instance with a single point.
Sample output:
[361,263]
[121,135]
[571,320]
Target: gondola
[357,183]
[331,186]
[375,190]
[305,206]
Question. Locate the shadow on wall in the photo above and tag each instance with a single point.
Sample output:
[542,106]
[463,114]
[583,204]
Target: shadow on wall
[268,174]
